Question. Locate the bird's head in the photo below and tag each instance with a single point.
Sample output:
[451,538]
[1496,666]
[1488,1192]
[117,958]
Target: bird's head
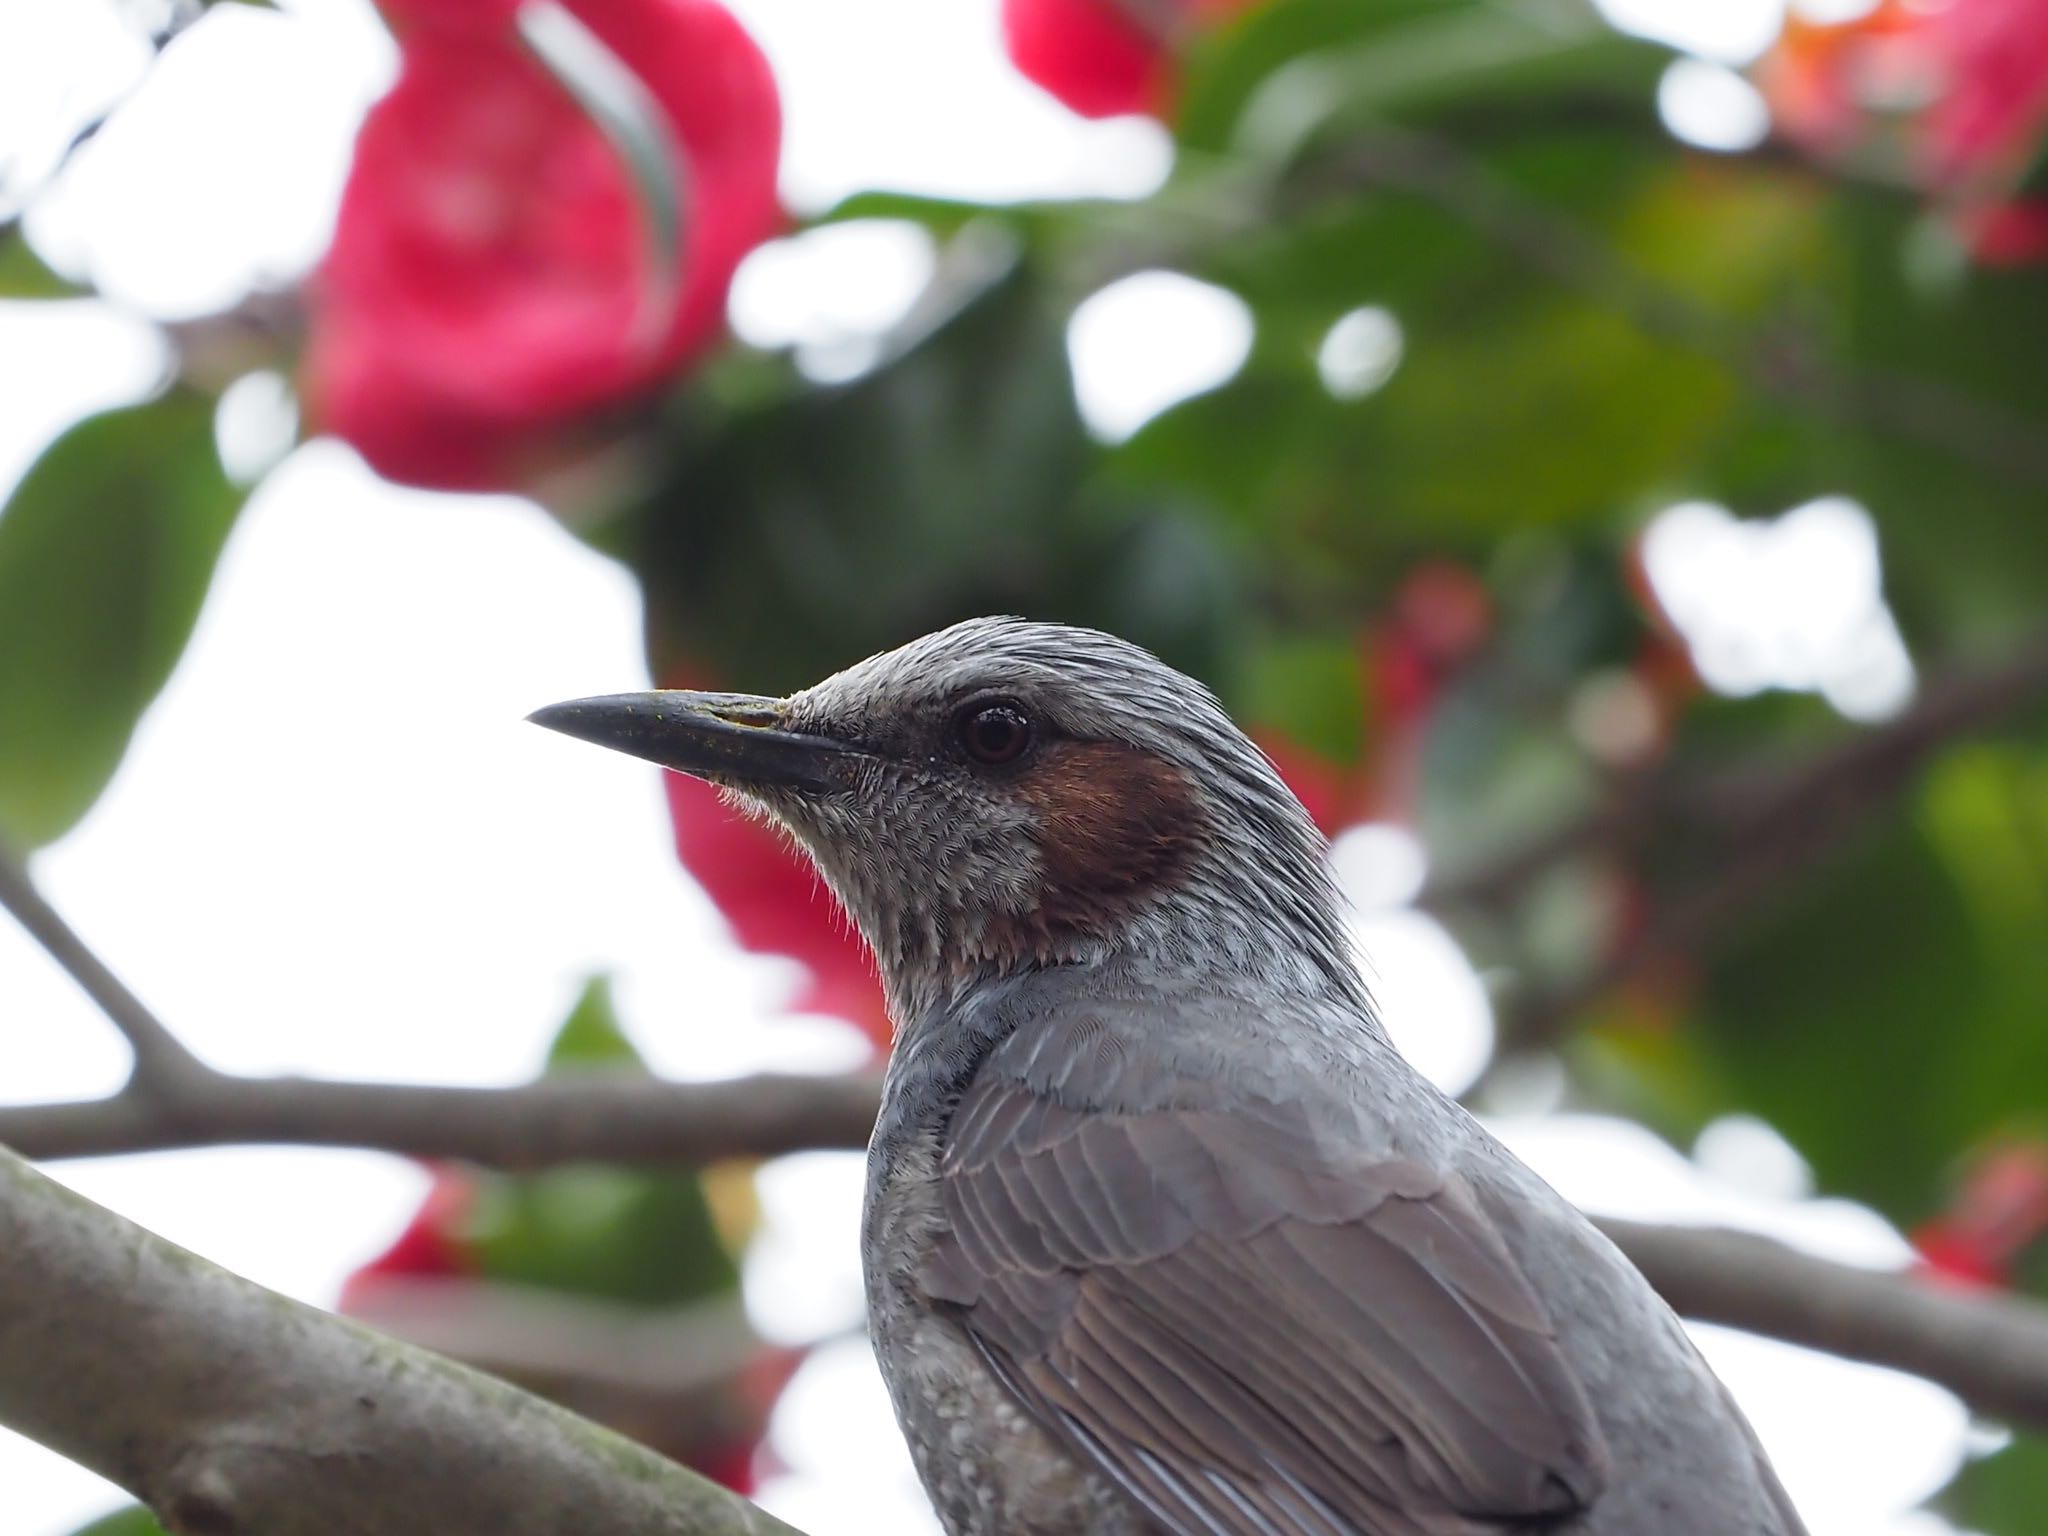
[1006,794]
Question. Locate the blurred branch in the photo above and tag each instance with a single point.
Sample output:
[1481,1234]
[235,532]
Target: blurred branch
[571,1118]
[232,1410]
[265,330]
[1761,825]
[159,1059]
[1990,1349]
[681,1379]
[611,1361]
[1757,801]
[1162,22]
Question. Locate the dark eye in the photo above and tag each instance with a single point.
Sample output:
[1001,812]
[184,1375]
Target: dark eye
[994,733]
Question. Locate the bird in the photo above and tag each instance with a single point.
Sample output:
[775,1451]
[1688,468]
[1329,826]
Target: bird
[1161,1235]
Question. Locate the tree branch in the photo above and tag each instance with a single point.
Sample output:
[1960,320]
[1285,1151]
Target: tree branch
[233,1411]
[1991,1351]
[159,1058]
[587,1117]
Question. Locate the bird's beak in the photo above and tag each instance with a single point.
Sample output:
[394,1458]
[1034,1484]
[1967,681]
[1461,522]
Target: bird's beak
[734,739]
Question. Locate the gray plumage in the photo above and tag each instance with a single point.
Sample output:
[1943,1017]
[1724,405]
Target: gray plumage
[1162,1235]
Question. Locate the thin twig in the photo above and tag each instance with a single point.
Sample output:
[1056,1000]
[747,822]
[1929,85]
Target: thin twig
[160,1061]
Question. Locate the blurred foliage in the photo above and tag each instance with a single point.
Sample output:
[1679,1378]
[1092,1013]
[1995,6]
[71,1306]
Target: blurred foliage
[125,1522]
[106,551]
[638,1258]
[646,1238]
[640,1237]
[2003,1491]
[1942,1029]
[23,274]
[1595,322]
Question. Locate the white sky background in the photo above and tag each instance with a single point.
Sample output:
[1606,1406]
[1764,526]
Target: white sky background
[337,849]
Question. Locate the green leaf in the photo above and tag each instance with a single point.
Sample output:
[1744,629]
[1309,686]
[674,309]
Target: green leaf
[2004,1493]
[134,1521]
[836,517]
[1493,782]
[1300,69]
[592,1036]
[806,526]
[1936,404]
[943,216]
[620,1234]
[23,274]
[1886,1014]
[1308,689]
[1228,65]
[107,549]
[1556,394]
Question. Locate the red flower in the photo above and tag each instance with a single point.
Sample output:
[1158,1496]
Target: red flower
[493,277]
[1440,618]
[766,887]
[1823,79]
[768,890]
[1993,56]
[2009,234]
[432,1246]
[1104,58]
[1333,795]
[1968,83]
[2000,1212]
[776,903]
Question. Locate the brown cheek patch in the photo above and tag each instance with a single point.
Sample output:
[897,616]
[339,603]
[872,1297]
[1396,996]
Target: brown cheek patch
[1116,824]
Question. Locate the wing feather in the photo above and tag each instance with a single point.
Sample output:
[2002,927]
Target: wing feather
[1251,1326]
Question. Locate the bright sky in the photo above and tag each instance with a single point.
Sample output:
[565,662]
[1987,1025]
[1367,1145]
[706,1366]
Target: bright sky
[337,849]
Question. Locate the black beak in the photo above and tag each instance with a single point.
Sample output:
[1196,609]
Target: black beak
[729,738]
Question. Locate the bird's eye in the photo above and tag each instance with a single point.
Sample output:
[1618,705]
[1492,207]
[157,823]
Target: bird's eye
[994,733]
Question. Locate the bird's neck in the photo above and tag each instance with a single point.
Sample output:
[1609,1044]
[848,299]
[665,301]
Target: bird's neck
[1193,939]
[946,1033]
